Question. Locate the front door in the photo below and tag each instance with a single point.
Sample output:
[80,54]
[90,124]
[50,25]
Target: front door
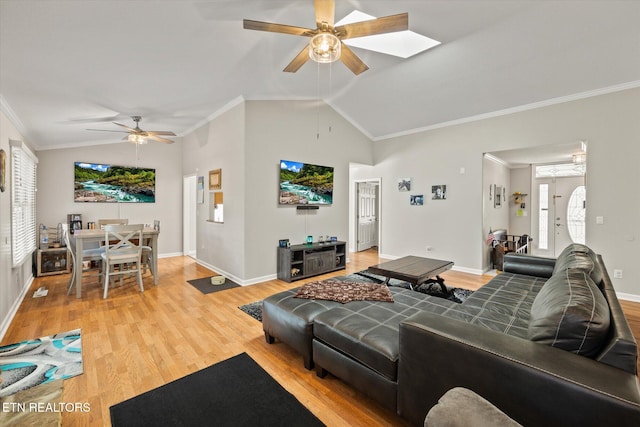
[555,218]
[367,211]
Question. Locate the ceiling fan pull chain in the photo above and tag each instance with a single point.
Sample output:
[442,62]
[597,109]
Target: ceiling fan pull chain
[319,100]
[330,88]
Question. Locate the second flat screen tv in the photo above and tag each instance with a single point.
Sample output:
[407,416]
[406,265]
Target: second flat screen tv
[305,184]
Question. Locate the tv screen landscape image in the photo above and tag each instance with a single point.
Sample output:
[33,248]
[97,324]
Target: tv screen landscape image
[95,182]
[305,184]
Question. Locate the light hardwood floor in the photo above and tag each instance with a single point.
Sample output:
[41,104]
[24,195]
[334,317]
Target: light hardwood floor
[134,342]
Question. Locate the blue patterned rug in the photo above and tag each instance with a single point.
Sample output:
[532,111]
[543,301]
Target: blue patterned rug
[29,363]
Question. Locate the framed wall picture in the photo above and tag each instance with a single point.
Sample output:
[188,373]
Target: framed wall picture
[200,189]
[215,179]
[438,192]
[404,184]
[497,196]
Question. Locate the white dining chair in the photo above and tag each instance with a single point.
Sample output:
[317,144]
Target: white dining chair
[93,254]
[118,221]
[147,252]
[123,249]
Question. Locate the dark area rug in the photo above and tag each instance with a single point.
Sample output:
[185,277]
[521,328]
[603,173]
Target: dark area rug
[235,392]
[253,309]
[204,285]
[458,295]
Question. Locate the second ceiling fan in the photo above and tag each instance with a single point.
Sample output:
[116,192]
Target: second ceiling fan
[139,136]
[326,40]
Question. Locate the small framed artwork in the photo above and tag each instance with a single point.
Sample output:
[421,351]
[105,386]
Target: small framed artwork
[404,184]
[200,187]
[283,243]
[497,196]
[438,192]
[215,179]
[416,200]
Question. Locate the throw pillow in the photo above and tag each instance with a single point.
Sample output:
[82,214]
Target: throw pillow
[579,256]
[571,313]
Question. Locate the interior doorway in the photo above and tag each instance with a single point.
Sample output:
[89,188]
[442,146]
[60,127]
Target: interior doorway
[367,224]
[552,214]
[189,216]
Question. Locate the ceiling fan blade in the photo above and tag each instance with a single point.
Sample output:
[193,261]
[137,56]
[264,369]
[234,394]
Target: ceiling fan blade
[160,132]
[386,24]
[298,61]
[126,127]
[107,130]
[325,12]
[277,28]
[352,61]
[159,139]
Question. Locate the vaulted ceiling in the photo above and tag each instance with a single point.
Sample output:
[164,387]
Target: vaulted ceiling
[66,66]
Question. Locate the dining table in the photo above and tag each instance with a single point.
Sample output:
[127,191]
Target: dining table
[149,234]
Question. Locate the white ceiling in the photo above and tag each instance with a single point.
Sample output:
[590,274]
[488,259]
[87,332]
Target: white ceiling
[69,65]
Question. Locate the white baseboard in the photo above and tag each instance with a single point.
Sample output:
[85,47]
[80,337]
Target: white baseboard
[14,309]
[476,271]
[169,255]
[628,297]
[221,271]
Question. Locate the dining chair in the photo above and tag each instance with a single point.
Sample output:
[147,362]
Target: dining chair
[93,254]
[125,251]
[147,252]
[118,221]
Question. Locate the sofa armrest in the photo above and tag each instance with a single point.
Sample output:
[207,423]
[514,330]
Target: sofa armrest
[528,264]
[532,383]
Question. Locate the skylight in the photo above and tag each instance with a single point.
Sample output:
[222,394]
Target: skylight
[402,43]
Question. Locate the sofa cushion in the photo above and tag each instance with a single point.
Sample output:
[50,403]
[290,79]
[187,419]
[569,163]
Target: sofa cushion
[579,256]
[571,313]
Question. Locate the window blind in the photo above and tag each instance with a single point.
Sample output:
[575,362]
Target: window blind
[23,202]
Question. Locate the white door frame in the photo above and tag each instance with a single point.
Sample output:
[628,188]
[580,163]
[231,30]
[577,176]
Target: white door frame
[189,215]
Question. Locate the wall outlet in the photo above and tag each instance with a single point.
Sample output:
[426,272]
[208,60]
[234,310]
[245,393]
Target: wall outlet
[617,274]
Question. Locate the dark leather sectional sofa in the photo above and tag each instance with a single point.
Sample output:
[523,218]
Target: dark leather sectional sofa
[546,341]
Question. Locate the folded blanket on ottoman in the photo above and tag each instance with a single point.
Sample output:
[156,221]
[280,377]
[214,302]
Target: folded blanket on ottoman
[344,291]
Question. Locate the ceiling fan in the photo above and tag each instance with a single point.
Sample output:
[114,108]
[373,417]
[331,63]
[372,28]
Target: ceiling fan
[139,136]
[326,40]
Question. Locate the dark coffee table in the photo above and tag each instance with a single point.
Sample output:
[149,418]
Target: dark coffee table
[414,269]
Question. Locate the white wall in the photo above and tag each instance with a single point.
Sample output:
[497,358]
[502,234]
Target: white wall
[454,228]
[220,144]
[451,227]
[14,282]
[287,130]
[55,188]
[247,142]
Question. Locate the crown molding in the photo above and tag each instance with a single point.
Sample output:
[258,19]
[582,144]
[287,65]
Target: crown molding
[12,116]
[521,108]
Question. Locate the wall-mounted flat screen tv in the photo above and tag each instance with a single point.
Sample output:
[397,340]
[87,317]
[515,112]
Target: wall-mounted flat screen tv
[95,182]
[305,184]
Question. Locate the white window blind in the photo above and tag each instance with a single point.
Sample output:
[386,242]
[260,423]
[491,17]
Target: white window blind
[23,202]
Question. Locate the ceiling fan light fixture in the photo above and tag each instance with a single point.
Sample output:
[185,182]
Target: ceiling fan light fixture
[325,48]
[137,139]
